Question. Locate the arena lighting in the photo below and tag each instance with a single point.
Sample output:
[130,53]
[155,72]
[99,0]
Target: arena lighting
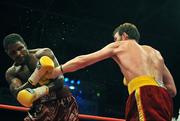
[66,79]
[98,94]
[78,82]
[72,81]
[80,91]
[72,87]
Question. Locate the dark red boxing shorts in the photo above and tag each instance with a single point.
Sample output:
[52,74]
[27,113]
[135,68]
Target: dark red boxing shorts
[147,101]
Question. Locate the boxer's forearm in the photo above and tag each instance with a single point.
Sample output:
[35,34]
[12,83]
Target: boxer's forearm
[14,89]
[27,96]
[82,62]
[72,65]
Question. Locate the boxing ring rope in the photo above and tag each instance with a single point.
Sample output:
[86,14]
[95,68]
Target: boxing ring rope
[81,116]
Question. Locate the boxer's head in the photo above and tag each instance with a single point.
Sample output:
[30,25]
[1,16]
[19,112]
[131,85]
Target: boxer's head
[16,48]
[126,31]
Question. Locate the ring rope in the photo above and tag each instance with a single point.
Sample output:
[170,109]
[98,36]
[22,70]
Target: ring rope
[81,116]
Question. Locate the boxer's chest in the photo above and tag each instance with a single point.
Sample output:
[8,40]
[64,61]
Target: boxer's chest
[23,72]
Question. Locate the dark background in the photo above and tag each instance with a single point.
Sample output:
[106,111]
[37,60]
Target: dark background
[72,28]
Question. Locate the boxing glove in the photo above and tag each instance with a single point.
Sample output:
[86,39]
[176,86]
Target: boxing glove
[45,65]
[27,96]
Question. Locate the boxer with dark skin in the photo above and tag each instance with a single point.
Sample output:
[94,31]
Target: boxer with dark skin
[51,100]
[149,82]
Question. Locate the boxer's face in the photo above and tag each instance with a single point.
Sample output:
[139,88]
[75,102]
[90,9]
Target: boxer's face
[17,52]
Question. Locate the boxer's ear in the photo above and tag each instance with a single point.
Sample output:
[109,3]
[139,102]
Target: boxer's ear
[125,36]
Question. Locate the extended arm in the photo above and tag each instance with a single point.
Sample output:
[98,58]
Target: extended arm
[83,61]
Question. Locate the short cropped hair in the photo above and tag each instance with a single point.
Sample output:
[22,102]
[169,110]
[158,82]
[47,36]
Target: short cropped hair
[11,39]
[129,29]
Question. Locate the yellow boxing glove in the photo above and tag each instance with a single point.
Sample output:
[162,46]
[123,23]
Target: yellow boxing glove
[27,96]
[44,65]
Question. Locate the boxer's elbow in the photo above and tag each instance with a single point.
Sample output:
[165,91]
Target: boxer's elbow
[172,91]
